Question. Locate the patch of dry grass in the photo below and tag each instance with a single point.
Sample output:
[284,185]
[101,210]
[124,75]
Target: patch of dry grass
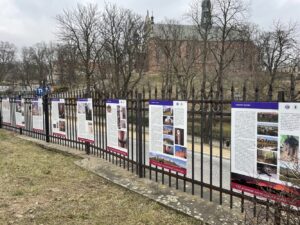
[42,187]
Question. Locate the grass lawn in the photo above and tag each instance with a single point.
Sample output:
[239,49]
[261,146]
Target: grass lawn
[42,187]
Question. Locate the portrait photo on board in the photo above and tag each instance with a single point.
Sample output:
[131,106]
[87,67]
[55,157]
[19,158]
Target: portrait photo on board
[35,109]
[61,110]
[289,148]
[19,107]
[81,108]
[123,112]
[168,120]
[179,136]
[122,139]
[88,111]
[168,149]
[62,126]
[108,108]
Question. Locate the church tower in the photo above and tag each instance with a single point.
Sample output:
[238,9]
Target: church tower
[206,22]
[149,22]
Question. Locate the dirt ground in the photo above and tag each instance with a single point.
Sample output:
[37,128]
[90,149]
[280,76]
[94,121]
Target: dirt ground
[42,187]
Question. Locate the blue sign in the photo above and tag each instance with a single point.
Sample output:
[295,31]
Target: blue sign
[41,91]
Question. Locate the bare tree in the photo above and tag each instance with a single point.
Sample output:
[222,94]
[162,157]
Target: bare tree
[203,28]
[179,51]
[27,69]
[67,65]
[81,27]
[166,43]
[277,48]
[228,16]
[245,68]
[38,56]
[36,65]
[123,58]
[50,56]
[7,57]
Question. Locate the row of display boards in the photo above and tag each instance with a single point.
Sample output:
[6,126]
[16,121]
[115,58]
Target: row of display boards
[264,139]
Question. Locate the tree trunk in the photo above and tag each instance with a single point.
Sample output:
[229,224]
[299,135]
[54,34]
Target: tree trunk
[88,83]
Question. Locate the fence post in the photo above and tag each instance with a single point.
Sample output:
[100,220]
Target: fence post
[87,144]
[46,110]
[277,213]
[139,136]
[1,116]
[87,147]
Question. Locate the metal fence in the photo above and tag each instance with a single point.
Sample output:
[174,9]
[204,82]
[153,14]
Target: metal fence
[208,169]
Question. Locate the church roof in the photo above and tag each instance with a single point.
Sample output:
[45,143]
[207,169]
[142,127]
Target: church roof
[187,32]
[167,30]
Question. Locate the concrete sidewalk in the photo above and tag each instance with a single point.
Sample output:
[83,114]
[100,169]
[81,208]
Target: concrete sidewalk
[206,212]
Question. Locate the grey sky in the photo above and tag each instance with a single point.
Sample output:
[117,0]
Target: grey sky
[25,22]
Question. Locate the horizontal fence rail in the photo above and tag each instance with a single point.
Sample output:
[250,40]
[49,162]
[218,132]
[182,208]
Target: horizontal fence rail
[208,169]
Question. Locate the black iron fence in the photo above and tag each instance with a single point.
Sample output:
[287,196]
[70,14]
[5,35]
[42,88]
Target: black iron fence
[208,157]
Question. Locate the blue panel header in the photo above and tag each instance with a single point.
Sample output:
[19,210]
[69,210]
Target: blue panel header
[55,99]
[255,105]
[82,99]
[160,102]
[115,101]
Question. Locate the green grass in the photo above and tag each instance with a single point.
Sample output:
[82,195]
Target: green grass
[42,187]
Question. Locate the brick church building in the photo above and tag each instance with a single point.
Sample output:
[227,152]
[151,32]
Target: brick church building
[184,42]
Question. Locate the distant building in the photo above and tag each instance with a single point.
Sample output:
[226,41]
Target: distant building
[245,60]
[291,70]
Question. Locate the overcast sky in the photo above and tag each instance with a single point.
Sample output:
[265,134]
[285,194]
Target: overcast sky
[25,22]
